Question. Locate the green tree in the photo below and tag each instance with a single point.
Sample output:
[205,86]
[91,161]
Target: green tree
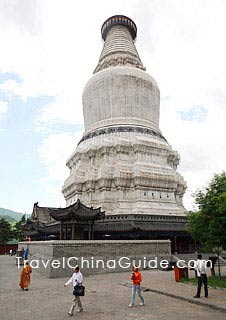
[208,225]
[6,232]
[18,228]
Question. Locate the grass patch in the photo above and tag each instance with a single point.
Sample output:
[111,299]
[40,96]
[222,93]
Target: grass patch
[212,281]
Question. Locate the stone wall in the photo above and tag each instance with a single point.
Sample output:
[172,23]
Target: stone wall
[53,258]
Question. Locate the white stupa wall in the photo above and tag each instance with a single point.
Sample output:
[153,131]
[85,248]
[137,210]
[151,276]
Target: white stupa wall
[123,164]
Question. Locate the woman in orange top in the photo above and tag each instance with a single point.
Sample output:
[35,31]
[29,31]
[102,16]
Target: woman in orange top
[25,276]
[136,278]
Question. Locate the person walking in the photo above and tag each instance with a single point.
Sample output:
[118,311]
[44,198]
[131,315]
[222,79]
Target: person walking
[25,276]
[76,279]
[136,278]
[201,268]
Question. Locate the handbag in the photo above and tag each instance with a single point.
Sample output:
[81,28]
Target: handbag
[79,290]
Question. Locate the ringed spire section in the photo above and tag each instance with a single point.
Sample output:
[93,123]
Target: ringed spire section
[119,33]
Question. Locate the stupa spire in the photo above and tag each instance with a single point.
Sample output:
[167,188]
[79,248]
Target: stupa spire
[119,49]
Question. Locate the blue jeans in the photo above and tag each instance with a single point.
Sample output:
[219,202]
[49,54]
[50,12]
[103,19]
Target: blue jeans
[202,279]
[134,290]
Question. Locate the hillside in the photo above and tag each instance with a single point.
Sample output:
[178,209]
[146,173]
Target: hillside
[8,218]
[13,214]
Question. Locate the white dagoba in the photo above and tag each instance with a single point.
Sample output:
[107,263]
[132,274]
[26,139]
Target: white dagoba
[123,164]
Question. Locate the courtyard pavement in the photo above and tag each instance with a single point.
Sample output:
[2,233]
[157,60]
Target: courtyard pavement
[107,297]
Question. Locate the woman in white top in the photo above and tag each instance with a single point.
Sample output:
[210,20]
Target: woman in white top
[76,279]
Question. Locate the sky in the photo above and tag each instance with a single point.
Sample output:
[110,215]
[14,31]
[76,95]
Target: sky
[49,50]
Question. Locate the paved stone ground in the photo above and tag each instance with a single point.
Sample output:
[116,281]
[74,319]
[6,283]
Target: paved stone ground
[107,297]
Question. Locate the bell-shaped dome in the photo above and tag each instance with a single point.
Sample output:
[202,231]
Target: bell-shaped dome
[120,92]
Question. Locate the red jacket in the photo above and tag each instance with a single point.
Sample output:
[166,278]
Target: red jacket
[136,278]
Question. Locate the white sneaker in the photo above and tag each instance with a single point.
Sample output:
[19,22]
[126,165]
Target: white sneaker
[79,310]
[142,304]
[130,305]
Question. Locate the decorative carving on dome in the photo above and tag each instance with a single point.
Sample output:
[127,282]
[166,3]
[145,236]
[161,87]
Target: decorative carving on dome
[118,129]
[119,60]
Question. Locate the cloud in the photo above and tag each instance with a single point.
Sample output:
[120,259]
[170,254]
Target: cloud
[57,111]
[11,88]
[54,151]
[23,14]
[201,145]
[3,107]
[198,113]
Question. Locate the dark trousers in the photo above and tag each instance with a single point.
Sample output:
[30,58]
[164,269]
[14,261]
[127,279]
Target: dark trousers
[202,279]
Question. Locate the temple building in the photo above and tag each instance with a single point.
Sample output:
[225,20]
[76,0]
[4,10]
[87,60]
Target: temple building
[123,164]
[75,222]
